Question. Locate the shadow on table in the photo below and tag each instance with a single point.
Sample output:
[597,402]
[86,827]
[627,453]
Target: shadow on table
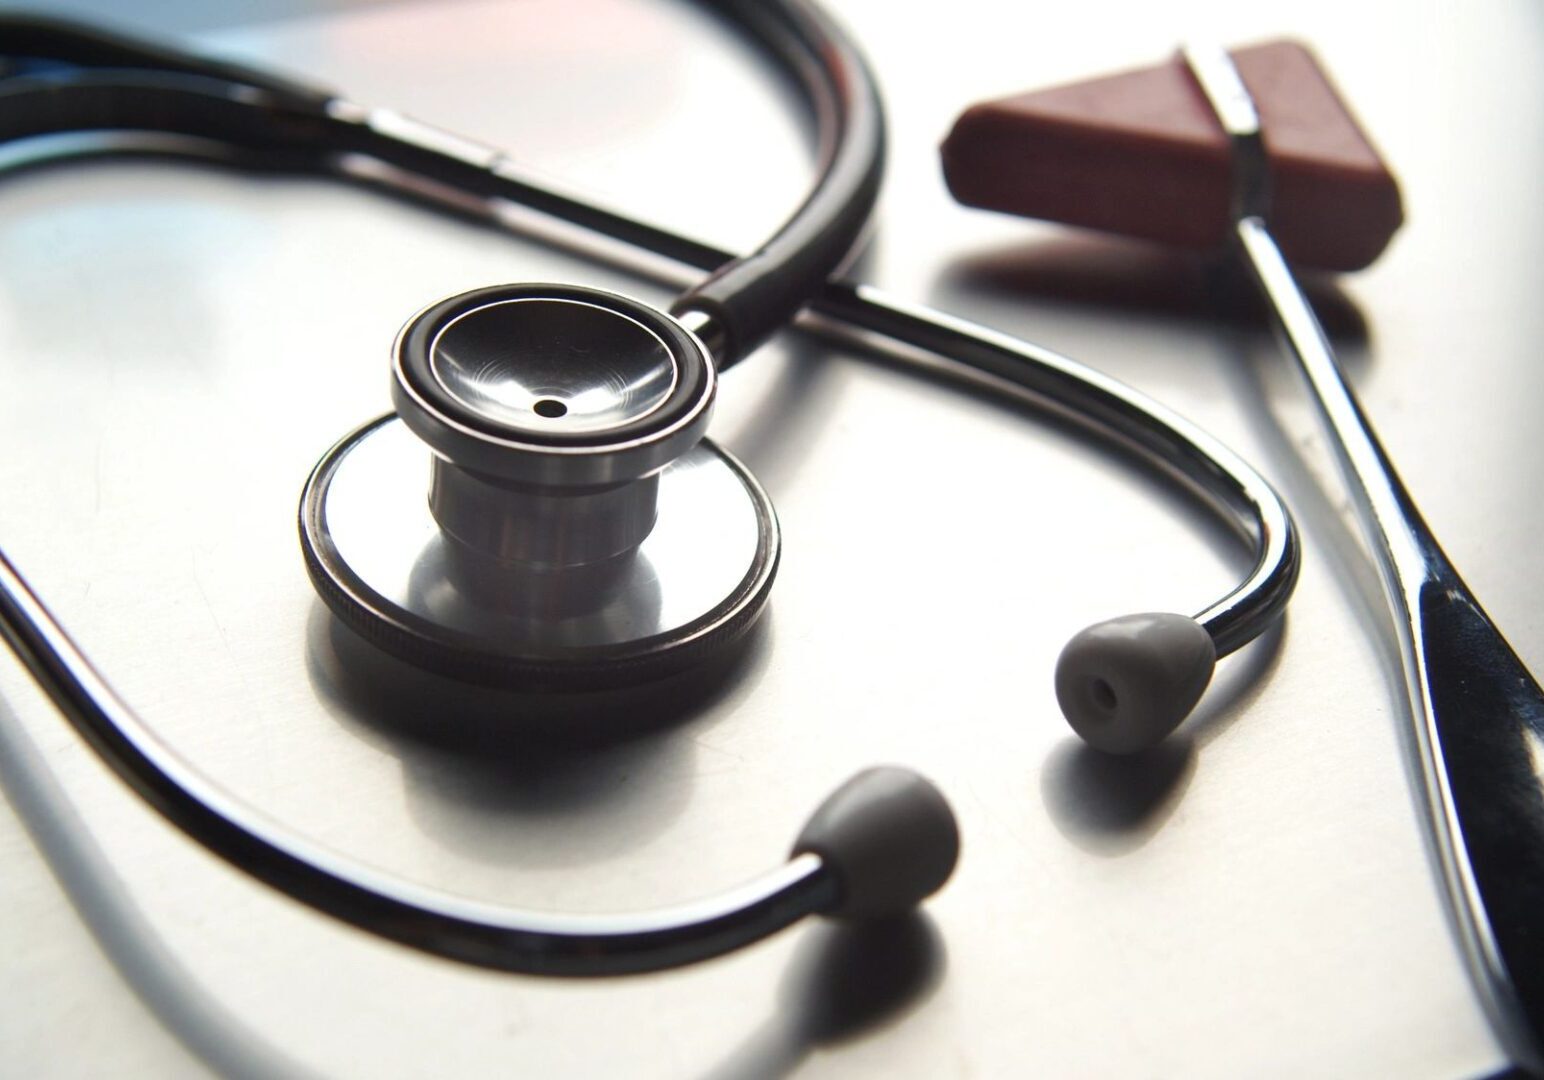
[1118,274]
[169,992]
[845,981]
[544,780]
[1111,804]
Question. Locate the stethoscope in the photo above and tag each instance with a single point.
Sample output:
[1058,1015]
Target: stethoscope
[543,512]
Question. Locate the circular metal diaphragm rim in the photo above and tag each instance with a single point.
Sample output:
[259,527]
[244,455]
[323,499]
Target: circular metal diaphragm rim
[617,452]
[410,636]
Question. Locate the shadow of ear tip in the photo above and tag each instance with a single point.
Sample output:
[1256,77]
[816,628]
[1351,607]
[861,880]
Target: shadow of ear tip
[1112,804]
[851,977]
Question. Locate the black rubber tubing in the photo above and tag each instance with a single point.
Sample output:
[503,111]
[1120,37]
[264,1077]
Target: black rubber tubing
[756,294]
[130,85]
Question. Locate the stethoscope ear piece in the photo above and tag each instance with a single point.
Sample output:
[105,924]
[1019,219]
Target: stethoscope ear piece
[888,837]
[1125,683]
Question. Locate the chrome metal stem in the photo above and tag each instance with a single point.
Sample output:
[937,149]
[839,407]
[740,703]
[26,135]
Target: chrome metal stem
[543,528]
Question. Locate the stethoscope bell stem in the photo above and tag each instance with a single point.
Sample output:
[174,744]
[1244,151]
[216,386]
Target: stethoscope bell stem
[543,512]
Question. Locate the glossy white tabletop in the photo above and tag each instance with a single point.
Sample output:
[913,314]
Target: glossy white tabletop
[179,344]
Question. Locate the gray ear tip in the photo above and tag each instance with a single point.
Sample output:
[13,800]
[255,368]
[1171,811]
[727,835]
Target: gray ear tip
[1125,683]
[889,837]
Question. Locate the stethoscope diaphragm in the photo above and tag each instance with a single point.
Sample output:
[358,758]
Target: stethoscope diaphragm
[543,513]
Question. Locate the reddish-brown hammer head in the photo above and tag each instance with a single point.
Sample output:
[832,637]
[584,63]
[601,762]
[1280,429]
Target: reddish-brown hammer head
[1141,153]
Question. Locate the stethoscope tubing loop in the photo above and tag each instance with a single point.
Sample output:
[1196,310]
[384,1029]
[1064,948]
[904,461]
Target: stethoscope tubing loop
[167,93]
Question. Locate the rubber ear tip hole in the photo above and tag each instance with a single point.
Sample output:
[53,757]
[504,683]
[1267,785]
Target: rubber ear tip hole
[551,408]
[1103,694]
[1125,683]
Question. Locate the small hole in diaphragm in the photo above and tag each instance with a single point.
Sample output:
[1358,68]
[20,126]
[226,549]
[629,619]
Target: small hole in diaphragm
[551,408]
[1104,694]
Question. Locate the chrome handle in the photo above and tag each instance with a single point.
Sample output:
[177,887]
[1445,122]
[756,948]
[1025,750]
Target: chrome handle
[1478,714]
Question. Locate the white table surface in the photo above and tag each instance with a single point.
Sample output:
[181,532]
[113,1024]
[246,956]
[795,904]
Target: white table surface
[178,344]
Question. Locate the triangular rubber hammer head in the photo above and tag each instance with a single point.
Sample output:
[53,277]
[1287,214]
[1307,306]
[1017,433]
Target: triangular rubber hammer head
[1141,153]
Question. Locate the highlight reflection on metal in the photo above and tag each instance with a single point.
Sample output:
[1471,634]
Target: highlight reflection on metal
[529,366]
[698,578]
[566,528]
[497,401]
[1477,712]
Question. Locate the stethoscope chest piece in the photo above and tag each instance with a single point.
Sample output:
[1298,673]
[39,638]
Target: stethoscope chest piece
[543,512]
